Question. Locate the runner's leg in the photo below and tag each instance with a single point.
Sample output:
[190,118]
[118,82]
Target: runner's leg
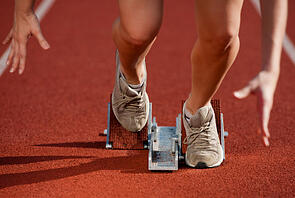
[134,33]
[215,49]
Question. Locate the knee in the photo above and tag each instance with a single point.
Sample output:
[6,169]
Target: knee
[139,36]
[224,39]
[221,40]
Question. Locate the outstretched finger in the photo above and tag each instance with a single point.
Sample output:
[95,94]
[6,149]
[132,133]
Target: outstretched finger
[15,59]
[23,54]
[8,37]
[265,141]
[243,93]
[42,41]
[11,53]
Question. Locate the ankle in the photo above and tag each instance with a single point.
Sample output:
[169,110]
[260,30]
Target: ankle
[132,79]
[192,106]
[134,76]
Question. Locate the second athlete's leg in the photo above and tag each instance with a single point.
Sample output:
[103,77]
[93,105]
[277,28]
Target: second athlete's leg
[134,33]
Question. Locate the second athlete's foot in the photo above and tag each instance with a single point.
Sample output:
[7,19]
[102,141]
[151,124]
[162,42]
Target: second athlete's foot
[204,149]
[130,106]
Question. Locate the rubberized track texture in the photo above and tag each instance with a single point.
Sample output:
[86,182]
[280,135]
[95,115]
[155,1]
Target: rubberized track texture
[50,116]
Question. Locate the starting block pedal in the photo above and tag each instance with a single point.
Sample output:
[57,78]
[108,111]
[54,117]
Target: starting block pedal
[165,143]
[120,138]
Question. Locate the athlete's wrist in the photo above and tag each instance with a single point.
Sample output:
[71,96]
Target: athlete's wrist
[24,8]
[271,71]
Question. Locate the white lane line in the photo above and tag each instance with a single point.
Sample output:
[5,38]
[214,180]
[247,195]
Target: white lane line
[3,60]
[41,11]
[288,46]
[43,8]
[256,5]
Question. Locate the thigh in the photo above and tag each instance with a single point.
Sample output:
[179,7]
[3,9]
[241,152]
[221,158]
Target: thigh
[218,17]
[140,16]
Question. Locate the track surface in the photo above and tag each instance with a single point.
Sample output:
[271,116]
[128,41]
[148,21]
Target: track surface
[51,116]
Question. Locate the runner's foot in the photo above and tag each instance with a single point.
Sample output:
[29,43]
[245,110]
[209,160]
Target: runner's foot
[130,105]
[204,149]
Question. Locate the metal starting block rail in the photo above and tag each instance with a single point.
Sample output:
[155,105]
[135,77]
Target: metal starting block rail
[165,146]
[165,143]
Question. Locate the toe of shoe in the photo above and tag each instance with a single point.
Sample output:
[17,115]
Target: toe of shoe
[202,160]
[135,124]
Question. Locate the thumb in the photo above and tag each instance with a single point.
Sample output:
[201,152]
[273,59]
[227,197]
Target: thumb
[243,93]
[42,41]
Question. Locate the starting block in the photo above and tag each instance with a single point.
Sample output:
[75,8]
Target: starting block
[165,143]
[120,138]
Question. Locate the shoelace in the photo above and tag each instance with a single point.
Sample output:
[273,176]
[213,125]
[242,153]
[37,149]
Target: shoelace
[199,136]
[133,104]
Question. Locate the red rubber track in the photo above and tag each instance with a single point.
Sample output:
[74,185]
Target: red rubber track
[51,116]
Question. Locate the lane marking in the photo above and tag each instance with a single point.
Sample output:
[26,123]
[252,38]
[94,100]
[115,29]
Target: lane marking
[288,46]
[41,11]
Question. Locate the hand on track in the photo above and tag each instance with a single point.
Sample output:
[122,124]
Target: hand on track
[25,25]
[263,86]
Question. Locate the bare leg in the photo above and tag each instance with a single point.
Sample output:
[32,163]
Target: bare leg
[134,33]
[215,49]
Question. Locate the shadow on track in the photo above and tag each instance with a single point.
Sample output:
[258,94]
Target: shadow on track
[135,162]
[95,145]
[34,159]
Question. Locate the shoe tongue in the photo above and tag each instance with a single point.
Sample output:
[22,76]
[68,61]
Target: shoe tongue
[126,89]
[202,116]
